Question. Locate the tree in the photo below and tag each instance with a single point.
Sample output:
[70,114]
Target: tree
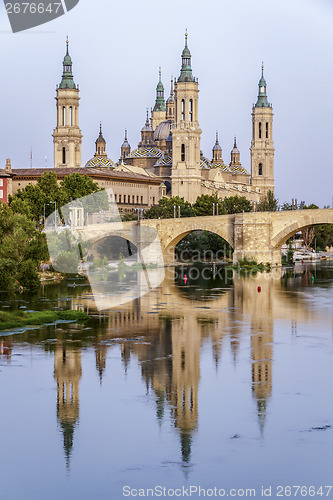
[236,204]
[204,205]
[323,233]
[165,208]
[32,200]
[308,236]
[22,248]
[286,206]
[268,204]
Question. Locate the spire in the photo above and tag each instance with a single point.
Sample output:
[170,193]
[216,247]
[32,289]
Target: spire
[235,155]
[125,143]
[186,69]
[100,143]
[262,101]
[160,102]
[217,146]
[67,81]
[147,127]
[171,98]
[100,138]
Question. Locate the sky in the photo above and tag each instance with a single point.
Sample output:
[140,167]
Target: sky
[117,48]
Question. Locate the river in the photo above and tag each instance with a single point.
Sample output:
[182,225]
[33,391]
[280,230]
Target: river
[207,382]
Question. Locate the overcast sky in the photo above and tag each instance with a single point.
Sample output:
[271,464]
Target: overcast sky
[117,48]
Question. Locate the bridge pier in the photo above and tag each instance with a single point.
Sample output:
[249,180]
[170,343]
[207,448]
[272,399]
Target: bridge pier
[252,239]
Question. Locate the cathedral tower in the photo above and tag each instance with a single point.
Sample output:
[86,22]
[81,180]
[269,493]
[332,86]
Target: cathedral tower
[217,151]
[147,134]
[125,148]
[100,145]
[158,114]
[235,156]
[170,104]
[67,137]
[262,148]
[186,172]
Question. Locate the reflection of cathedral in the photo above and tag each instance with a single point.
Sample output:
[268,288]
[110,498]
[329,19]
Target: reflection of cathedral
[67,372]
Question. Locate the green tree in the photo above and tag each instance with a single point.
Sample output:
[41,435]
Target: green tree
[165,208]
[22,248]
[31,200]
[286,206]
[236,204]
[204,205]
[268,204]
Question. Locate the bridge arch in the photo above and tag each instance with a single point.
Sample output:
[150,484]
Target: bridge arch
[300,221]
[111,246]
[177,236]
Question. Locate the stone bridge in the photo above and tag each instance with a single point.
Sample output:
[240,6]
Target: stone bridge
[256,235]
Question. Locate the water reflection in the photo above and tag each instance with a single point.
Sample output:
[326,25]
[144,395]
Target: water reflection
[67,373]
[166,332]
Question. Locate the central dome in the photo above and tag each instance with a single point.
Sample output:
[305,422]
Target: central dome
[162,131]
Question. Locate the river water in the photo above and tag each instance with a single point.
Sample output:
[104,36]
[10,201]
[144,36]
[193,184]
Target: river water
[210,383]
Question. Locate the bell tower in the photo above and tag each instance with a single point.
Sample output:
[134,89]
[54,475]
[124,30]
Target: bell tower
[186,172]
[262,148]
[159,111]
[125,148]
[67,136]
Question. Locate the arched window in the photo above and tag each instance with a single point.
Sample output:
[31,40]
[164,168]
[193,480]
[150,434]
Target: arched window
[64,116]
[183,152]
[259,130]
[191,111]
[71,116]
[64,155]
[183,109]
[266,130]
[260,169]
[99,150]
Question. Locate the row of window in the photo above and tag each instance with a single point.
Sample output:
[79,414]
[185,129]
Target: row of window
[260,130]
[127,199]
[122,199]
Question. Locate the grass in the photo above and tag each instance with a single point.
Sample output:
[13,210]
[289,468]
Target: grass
[14,319]
[246,264]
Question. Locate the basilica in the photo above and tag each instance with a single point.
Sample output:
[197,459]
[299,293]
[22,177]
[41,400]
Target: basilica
[168,160]
[170,145]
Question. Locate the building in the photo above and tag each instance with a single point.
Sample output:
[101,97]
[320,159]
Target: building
[168,159]
[170,145]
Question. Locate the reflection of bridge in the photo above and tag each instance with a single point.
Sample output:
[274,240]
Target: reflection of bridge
[258,235]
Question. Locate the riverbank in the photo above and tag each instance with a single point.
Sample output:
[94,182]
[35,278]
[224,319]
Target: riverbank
[15,319]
